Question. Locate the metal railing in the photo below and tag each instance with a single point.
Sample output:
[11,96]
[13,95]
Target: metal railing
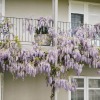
[24,28]
[20,27]
[71,28]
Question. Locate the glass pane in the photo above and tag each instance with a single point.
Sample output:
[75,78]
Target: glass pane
[80,83]
[78,95]
[94,83]
[94,94]
[76,20]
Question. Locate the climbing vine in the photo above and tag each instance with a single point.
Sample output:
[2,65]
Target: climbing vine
[73,53]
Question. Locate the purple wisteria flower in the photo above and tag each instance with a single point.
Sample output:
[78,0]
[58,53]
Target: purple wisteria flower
[72,53]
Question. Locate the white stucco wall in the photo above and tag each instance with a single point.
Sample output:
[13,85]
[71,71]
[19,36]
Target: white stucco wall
[63,10]
[35,8]
[27,89]
[34,88]
[28,8]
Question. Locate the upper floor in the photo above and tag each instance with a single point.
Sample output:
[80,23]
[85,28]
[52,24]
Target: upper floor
[85,11]
[71,14]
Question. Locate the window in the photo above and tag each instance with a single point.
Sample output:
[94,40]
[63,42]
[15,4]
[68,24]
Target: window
[80,93]
[76,20]
[93,89]
[88,88]
[85,13]
[91,11]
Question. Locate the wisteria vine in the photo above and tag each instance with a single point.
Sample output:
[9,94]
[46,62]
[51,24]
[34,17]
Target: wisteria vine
[72,53]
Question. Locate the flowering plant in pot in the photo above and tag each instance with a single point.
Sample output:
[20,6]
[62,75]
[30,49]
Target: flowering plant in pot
[42,36]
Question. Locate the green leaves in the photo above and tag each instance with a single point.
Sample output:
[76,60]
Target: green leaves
[54,70]
[17,41]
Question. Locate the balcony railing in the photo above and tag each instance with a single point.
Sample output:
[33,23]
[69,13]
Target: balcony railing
[20,27]
[71,28]
[24,28]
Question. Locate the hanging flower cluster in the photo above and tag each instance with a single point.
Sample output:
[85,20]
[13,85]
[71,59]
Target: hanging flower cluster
[5,25]
[77,52]
[72,53]
[22,63]
[44,25]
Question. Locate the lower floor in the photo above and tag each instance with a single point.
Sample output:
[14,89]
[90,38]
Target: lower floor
[88,87]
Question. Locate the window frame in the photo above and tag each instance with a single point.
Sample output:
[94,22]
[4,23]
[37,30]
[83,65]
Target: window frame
[86,9]
[91,88]
[86,85]
[78,77]
[85,13]
[77,24]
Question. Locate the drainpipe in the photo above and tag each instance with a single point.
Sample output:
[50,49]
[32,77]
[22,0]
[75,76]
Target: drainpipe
[55,18]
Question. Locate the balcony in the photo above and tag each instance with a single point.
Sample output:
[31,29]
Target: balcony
[23,28]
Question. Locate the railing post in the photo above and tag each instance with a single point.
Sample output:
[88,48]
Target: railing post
[3,7]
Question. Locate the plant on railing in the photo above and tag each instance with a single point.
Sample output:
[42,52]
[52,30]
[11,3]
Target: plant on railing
[43,25]
[89,31]
[5,26]
[42,36]
[73,53]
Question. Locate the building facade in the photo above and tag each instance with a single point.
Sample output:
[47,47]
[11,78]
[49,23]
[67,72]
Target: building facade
[69,11]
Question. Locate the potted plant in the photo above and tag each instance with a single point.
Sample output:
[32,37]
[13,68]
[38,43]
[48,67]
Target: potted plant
[42,36]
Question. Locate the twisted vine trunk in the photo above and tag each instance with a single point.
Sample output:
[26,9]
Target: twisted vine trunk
[53,93]
[53,89]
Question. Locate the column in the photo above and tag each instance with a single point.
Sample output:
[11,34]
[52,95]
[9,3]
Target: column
[55,18]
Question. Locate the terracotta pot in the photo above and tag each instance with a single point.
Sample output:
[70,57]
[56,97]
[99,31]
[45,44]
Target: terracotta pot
[43,39]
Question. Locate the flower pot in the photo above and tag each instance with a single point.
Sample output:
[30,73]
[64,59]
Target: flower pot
[43,39]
